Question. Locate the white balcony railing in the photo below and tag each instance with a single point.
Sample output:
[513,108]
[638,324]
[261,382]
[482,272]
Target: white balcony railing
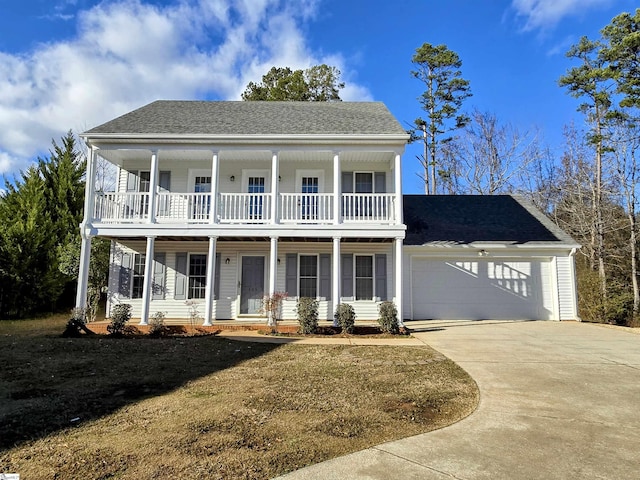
[306,207]
[293,208]
[244,207]
[186,207]
[121,207]
[368,207]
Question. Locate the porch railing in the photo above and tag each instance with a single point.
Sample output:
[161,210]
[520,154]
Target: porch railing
[306,207]
[244,207]
[121,207]
[293,208]
[368,207]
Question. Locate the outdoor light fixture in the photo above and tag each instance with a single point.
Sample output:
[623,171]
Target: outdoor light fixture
[227,261]
[278,261]
[232,178]
[483,253]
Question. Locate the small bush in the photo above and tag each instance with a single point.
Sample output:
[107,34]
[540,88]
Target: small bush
[307,311]
[156,324]
[345,317]
[76,323]
[120,315]
[388,318]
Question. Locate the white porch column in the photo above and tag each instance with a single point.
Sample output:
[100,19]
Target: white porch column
[337,191]
[398,277]
[211,280]
[90,188]
[273,270]
[147,287]
[337,275]
[397,176]
[83,273]
[215,169]
[275,188]
[153,186]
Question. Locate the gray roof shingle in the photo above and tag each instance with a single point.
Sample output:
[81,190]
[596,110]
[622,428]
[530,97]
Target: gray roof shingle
[168,117]
[464,219]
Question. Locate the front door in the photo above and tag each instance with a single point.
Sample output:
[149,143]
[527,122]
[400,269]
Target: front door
[310,202]
[252,289]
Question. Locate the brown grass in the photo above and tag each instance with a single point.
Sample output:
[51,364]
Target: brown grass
[206,407]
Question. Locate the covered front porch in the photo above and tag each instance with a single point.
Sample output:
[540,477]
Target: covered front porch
[207,280]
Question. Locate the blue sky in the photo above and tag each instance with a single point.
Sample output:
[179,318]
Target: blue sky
[73,64]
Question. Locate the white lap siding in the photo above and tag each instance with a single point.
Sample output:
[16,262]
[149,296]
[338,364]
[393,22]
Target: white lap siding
[227,305]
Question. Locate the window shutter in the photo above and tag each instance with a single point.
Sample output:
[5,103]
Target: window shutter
[216,281]
[347,182]
[325,276]
[180,292]
[381,276]
[347,274]
[132,181]
[159,274]
[291,279]
[124,287]
[380,182]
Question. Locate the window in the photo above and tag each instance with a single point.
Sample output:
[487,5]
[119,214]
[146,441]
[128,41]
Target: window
[364,277]
[364,182]
[256,185]
[308,276]
[197,275]
[201,203]
[310,202]
[137,281]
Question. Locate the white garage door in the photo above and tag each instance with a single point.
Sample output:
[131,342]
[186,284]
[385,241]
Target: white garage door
[481,289]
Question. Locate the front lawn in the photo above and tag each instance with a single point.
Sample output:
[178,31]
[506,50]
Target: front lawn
[206,407]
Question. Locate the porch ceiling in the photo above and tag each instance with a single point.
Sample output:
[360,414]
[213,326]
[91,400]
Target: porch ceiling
[119,156]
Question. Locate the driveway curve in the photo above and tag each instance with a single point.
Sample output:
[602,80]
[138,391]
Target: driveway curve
[559,400]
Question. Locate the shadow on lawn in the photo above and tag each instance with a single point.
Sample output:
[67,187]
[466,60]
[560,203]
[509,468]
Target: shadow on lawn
[50,383]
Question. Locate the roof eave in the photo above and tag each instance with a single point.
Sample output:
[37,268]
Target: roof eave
[160,139]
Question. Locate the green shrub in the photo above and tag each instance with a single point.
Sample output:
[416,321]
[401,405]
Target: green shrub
[345,317]
[307,312]
[388,318]
[120,315]
[156,324]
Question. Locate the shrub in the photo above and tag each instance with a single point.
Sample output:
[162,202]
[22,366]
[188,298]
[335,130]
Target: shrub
[76,323]
[307,311]
[120,315]
[388,318]
[271,306]
[345,317]
[156,324]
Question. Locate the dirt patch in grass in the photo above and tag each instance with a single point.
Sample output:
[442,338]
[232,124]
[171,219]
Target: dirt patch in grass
[207,407]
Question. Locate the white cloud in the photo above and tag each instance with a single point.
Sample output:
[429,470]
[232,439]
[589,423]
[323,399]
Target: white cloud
[543,14]
[126,53]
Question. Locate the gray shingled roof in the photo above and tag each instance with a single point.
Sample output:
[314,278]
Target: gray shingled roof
[254,118]
[464,219]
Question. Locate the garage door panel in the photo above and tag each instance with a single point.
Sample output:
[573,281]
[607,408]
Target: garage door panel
[480,289]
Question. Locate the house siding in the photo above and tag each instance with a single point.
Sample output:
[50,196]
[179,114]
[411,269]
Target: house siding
[227,306]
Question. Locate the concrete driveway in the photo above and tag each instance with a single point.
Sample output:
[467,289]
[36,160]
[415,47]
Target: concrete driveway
[558,401]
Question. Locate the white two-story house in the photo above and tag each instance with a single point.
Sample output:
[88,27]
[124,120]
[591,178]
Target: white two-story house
[223,203]
[219,204]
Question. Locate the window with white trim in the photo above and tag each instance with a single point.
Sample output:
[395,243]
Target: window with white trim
[308,265]
[364,276]
[137,275]
[197,275]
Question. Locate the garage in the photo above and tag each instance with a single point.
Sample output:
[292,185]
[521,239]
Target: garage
[481,288]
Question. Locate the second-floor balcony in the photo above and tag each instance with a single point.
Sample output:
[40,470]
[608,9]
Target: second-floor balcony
[246,208]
